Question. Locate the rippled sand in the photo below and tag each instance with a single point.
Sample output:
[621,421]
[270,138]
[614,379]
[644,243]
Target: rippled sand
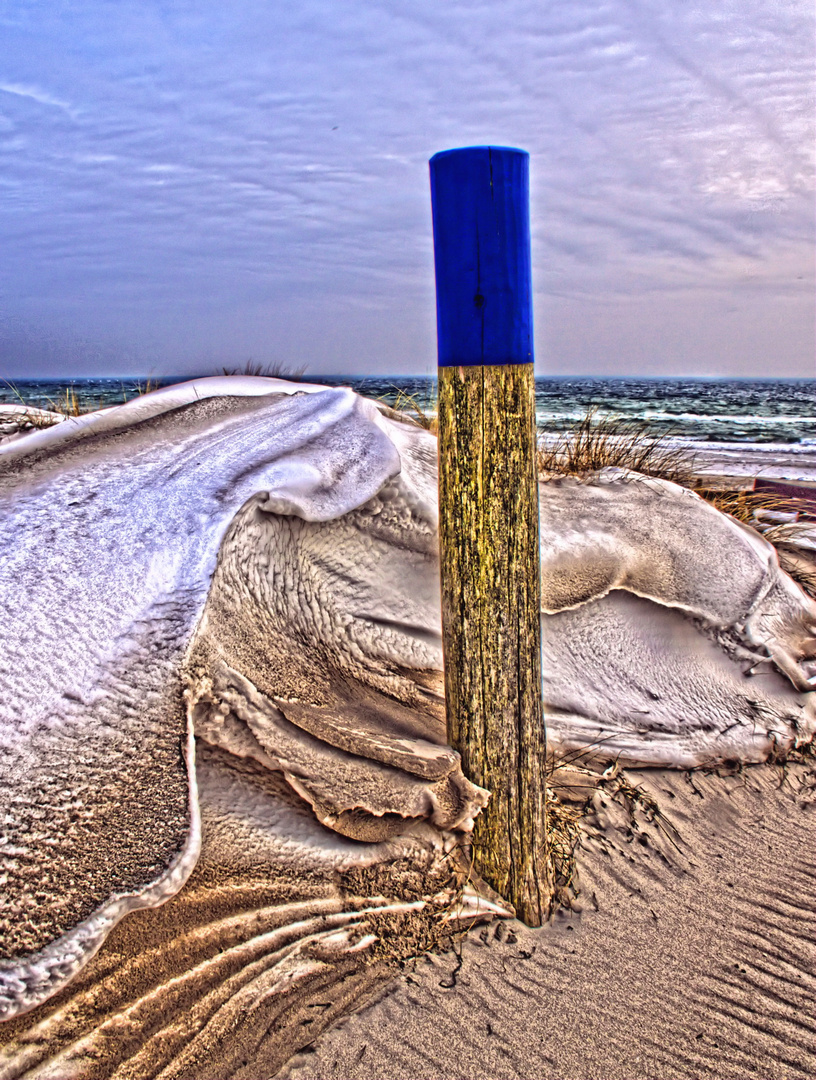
[693,955]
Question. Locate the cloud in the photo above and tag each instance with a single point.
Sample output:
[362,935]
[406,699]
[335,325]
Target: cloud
[34,93]
[200,177]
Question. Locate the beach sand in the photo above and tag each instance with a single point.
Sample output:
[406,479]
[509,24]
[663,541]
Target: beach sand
[280,929]
[690,954]
[685,962]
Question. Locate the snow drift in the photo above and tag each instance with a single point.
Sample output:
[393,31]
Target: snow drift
[253,563]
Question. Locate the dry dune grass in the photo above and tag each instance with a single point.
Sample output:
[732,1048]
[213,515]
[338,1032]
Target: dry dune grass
[68,403]
[274,370]
[749,506]
[614,442]
[410,407]
[563,840]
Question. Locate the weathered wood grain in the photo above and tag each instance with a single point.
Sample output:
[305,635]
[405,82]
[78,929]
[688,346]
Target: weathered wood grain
[491,620]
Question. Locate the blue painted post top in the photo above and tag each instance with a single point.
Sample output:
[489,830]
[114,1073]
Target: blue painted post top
[480,197]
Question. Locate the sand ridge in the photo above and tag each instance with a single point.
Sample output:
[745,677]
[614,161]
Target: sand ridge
[281,927]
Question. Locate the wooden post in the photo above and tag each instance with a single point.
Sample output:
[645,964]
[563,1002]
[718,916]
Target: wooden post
[488,503]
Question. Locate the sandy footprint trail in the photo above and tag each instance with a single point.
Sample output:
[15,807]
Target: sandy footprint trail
[227,669]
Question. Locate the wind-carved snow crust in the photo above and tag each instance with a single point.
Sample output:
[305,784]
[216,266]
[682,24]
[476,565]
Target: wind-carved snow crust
[670,634]
[110,531]
[256,566]
[319,653]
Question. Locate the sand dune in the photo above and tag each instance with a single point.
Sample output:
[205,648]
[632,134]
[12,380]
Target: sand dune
[221,693]
[282,926]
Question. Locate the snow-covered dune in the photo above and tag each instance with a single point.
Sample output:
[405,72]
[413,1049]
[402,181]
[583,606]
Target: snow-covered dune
[110,528]
[254,563]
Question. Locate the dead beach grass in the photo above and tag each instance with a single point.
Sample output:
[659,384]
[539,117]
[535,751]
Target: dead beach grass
[614,442]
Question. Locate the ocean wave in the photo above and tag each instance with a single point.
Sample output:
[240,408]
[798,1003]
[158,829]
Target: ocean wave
[733,418]
[752,412]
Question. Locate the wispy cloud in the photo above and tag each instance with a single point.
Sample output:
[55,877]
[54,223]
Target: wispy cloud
[253,177]
[35,93]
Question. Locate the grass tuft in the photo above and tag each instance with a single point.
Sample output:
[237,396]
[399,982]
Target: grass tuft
[69,404]
[614,442]
[749,506]
[563,824]
[274,370]
[409,405]
[140,388]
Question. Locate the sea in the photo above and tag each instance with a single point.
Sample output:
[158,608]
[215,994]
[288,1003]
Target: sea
[758,422]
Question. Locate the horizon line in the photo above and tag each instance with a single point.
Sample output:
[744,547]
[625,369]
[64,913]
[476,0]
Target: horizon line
[304,376]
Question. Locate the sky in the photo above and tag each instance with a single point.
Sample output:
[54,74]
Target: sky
[191,184]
